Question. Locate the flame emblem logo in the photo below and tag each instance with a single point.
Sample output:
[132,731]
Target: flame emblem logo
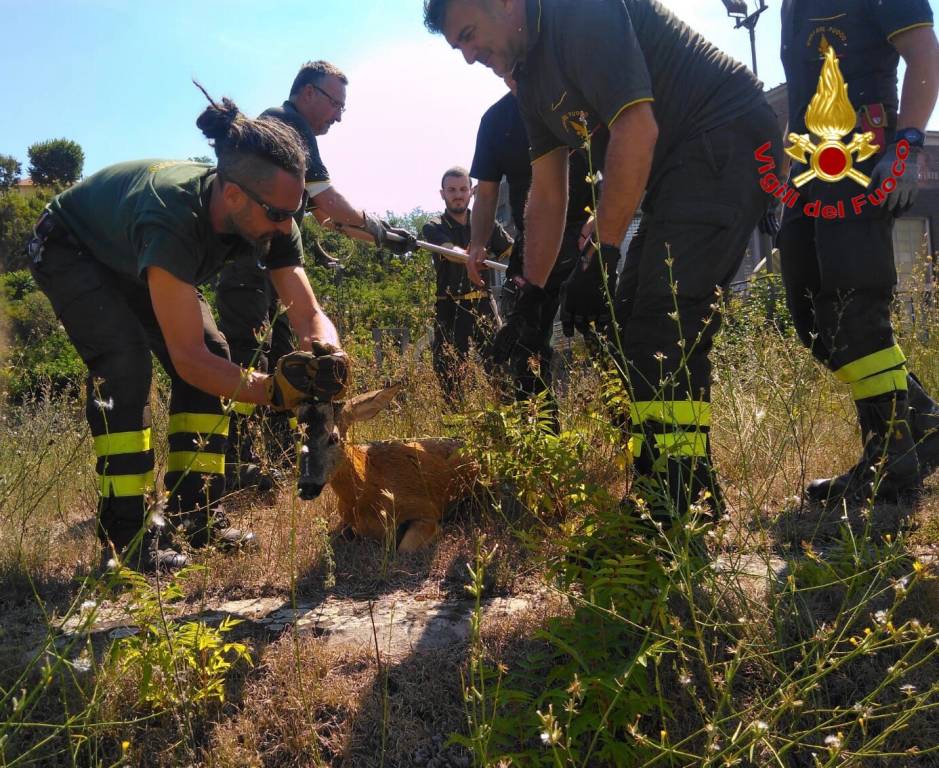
[831,117]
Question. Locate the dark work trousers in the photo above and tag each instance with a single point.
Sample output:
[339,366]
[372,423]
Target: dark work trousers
[110,320]
[529,382]
[840,278]
[698,215]
[246,303]
[457,323]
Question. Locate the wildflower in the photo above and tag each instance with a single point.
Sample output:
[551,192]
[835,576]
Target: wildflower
[880,617]
[901,584]
[908,689]
[685,679]
[918,567]
[660,356]
[576,688]
[304,449]
[105,405]
[760,726]
[834,741]
[125,745]
[551,734]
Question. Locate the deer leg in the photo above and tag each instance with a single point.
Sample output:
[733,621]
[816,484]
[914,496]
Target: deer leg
[419,534]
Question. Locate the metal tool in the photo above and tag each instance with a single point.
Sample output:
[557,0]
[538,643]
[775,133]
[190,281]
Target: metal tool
[461,255]
[457,253]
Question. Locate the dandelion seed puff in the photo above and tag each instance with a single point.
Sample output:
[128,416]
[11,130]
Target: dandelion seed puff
[105,405]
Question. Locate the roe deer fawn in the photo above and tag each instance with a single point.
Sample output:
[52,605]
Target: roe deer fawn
[389,485]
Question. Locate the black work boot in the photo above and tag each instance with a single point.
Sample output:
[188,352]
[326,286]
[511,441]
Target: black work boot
[146,551]
[924,421]
[215,529]
[888,458]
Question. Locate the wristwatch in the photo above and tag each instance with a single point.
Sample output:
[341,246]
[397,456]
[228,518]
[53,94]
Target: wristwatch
[914,136]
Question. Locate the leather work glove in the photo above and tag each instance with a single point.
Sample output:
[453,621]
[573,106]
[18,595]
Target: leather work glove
[304,377]
[904,195]
[584,298]
[521,332]
[400,241]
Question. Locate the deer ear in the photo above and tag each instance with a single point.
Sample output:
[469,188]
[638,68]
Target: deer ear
[367,406]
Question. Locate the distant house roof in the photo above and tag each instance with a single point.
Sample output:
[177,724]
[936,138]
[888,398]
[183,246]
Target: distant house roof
[27,182]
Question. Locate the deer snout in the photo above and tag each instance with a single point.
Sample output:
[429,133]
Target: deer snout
[309,490]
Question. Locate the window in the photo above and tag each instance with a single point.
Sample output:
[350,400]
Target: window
[910,247]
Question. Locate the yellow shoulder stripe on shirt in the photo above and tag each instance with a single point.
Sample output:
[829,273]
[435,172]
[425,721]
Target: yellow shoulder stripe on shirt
[549,152]
[627,106]
[907,29]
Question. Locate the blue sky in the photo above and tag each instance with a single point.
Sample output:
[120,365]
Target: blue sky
[115,75]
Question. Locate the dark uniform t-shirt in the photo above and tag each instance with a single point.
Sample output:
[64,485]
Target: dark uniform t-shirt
[588,60]
[860,32]
[317,177]
[155,213]
[502,150]
[452,278]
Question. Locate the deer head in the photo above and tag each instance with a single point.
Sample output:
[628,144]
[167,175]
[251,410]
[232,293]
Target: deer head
[323,428]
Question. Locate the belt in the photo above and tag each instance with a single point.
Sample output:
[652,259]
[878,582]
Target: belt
[465,296]
[47,230]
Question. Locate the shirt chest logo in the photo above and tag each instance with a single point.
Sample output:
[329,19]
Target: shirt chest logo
[830,116]
[576,122]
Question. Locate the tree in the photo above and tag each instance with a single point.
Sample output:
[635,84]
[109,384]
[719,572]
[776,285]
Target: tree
[10,170]
[203,159]
[18,215]
[56,161]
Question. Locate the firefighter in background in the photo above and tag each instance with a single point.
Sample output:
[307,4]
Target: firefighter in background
[668,115]
[502,150]
[463,312]
[245,297]
[840,274]
[120,255]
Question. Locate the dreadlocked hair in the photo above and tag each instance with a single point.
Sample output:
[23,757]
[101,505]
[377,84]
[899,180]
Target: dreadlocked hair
[246,147]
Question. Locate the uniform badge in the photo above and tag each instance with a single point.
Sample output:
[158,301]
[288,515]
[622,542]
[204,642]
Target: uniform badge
[830,116]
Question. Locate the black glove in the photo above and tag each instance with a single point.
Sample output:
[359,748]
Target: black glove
[584,297]
[904,195]
[395,239]
[521,332]
[769,224]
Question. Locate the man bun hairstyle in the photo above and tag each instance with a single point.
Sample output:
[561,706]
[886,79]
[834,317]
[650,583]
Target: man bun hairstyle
[457,170]
[249,148]
[312,72]
[435,15]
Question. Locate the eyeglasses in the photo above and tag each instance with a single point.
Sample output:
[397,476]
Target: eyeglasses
[277,215]
[337,105]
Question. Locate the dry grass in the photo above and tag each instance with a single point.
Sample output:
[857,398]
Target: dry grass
[306,702]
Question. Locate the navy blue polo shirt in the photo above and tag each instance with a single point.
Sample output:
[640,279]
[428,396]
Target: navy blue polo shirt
[502,150]
[589,60]
[860,32]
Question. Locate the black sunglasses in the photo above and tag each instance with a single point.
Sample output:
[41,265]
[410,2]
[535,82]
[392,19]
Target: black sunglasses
[277,215]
